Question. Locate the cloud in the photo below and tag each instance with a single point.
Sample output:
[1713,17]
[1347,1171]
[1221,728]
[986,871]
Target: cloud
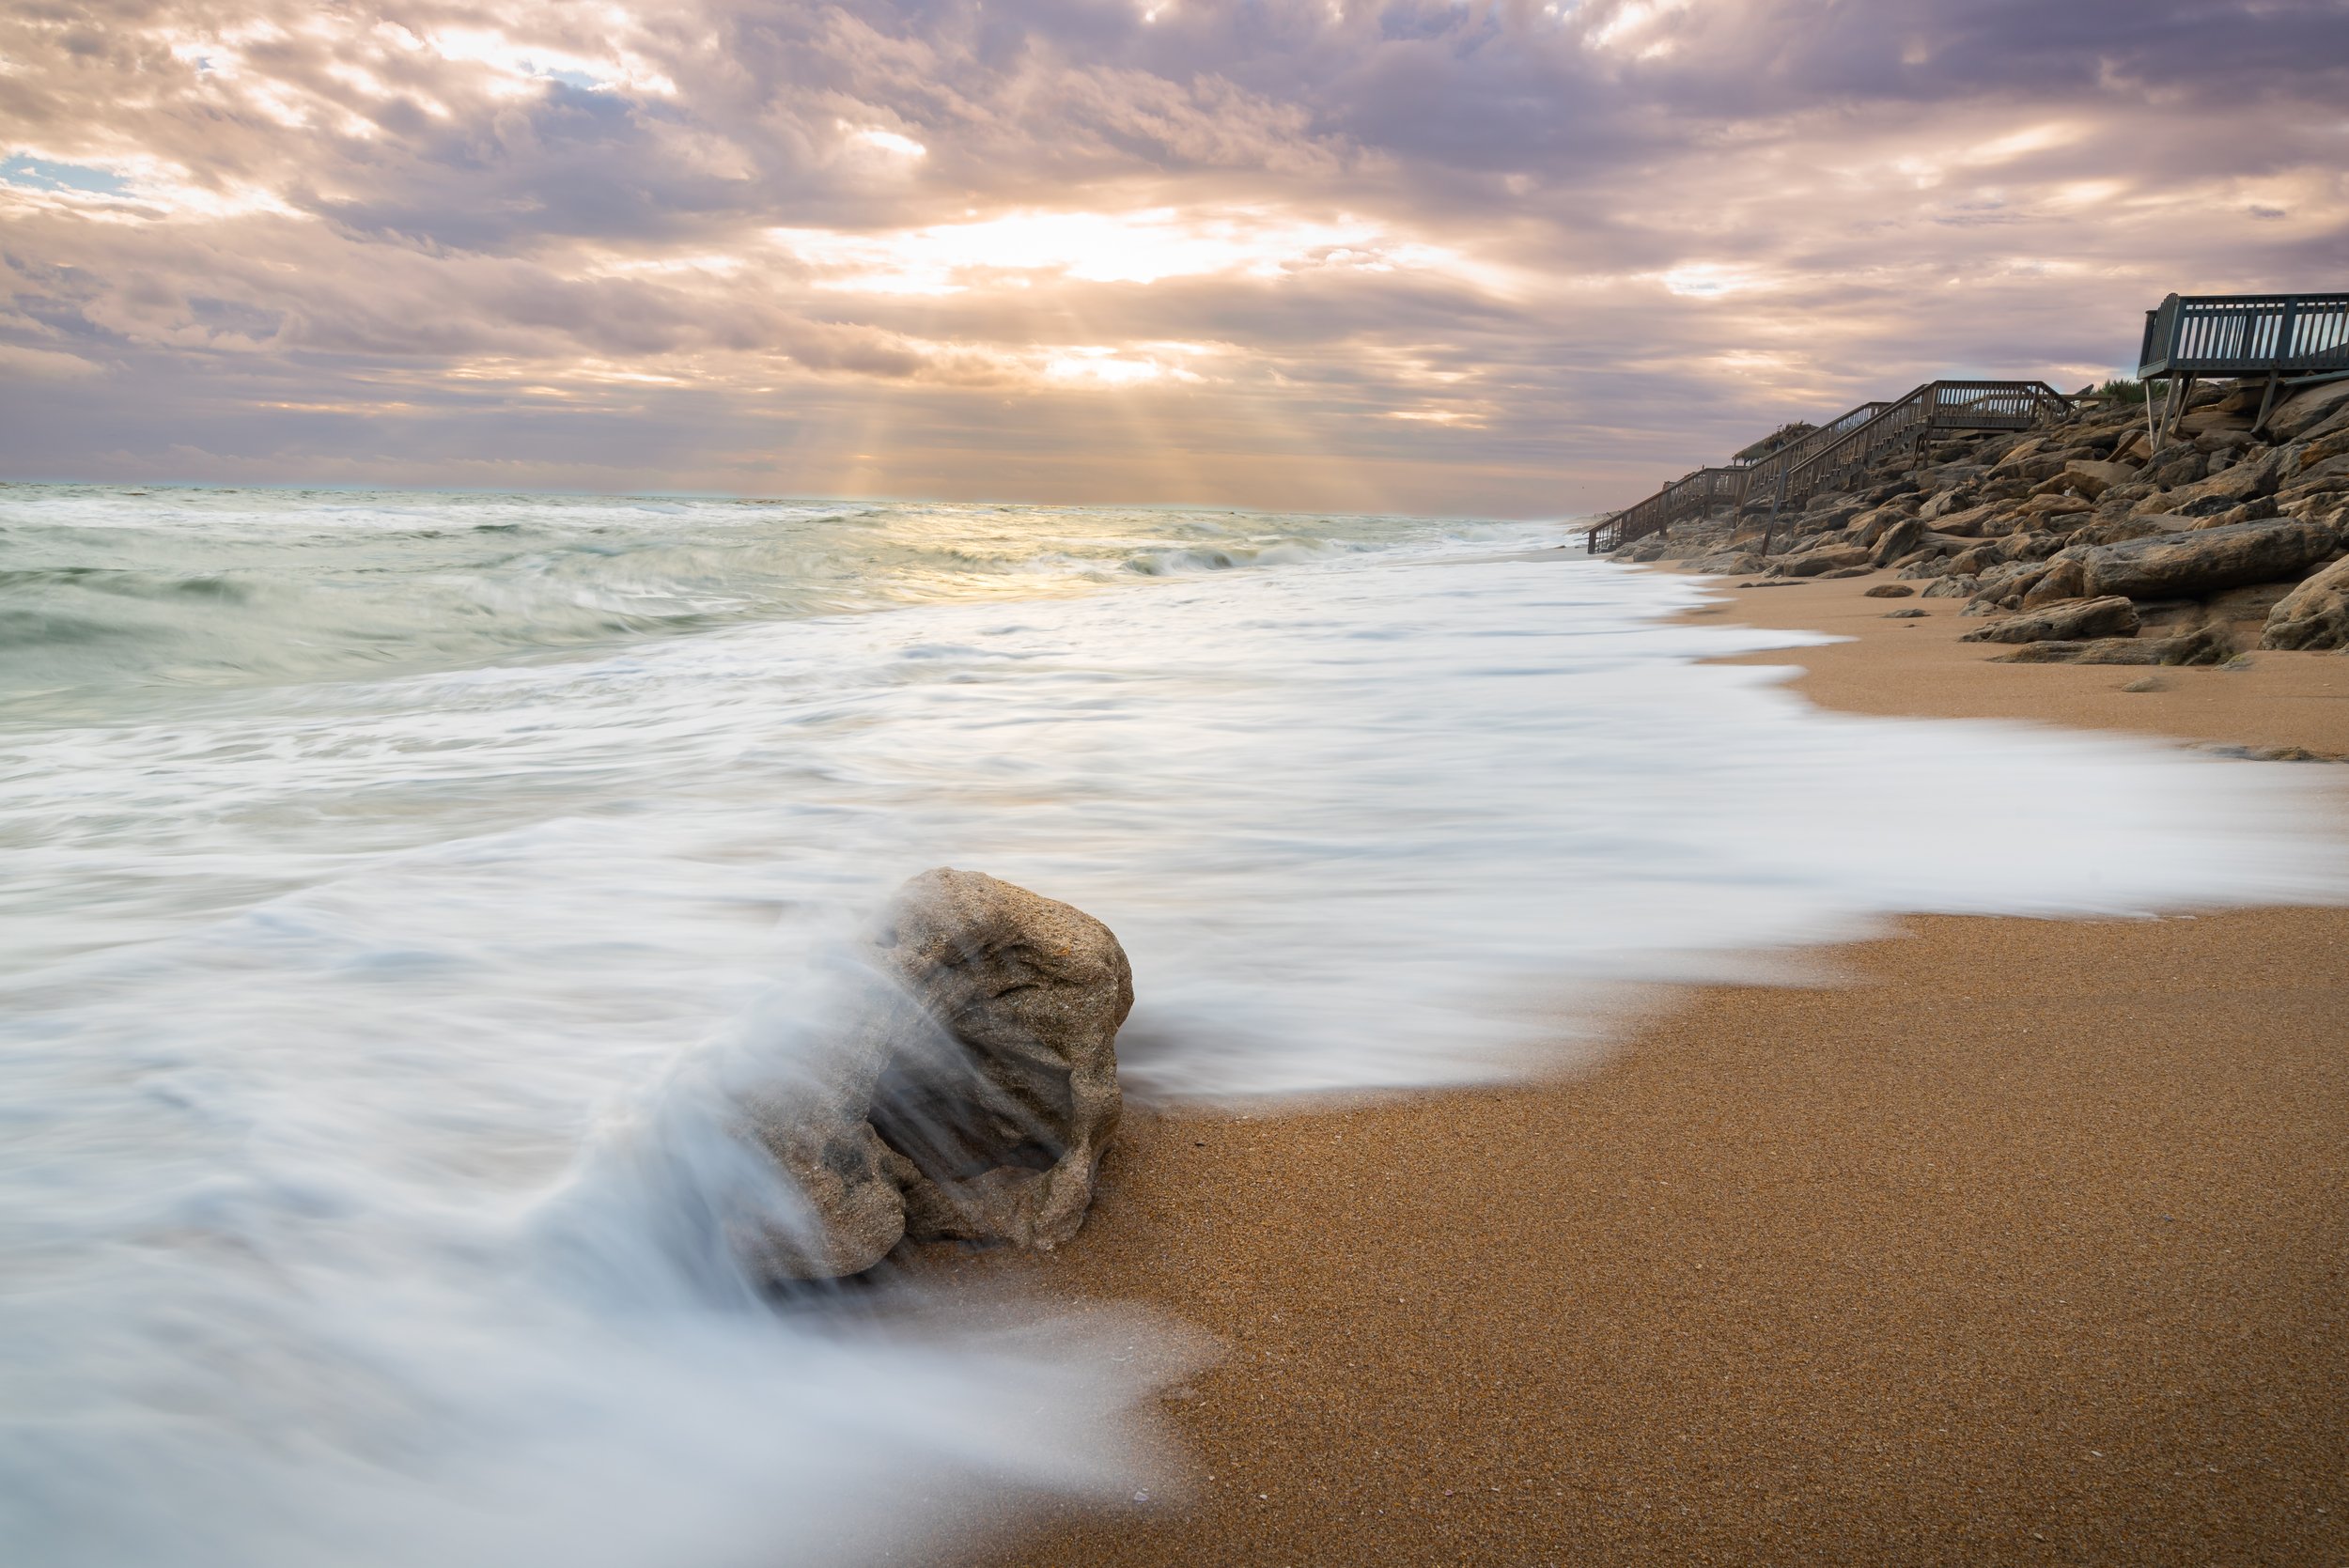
[1501,256]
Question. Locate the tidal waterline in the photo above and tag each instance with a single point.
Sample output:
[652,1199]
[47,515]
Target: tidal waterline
[391,877]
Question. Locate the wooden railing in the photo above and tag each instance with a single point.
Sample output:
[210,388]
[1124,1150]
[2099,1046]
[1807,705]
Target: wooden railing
[1767,471]
[1696,494]
[1822,457]
[1933,407]
[2244,335]
[2288,339]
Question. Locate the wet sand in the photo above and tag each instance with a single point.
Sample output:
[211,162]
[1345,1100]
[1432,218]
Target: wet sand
[2028,1243]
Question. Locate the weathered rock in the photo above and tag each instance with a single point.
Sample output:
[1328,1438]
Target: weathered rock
[2203,646]
[1889,590]
[2222,492]
[975,1096]
[2062,580]
[2075,621]
[1845,571]
[2020,452]
[2218,417]
[2114,531]
[2092,477]
[2207,560]
[2315,450]
[1897,541]
[1728,564]
[2315,614]
[1909,615]
[2294,416]
[1969,523]
[2332,474]
[2175,466]
[2258,509]
[1826,558]
[1007,1132]
[1953,587]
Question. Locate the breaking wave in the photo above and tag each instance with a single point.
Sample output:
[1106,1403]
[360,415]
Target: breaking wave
[369,1004]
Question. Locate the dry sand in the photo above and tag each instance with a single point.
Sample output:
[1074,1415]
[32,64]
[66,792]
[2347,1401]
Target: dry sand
[2028,1245]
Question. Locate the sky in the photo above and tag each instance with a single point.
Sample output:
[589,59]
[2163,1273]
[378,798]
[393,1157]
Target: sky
[1525,259]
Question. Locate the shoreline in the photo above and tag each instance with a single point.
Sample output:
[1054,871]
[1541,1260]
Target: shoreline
[1916,668]
[2024,1242]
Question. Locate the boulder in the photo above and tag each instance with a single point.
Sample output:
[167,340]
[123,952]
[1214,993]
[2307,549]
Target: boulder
[2073,621]
[2040,507]
[1826,558]
[2202,647]
[2315,450]
[2020,452]
[2062,580]
[1889,590]
[1968,524]
[2222,492]
[2175,466]
[976,1095]
[2329,473]
[1897,541]
[2315,614]
[2297,416]
[2167,565]
[2257,510]
[2092,478]
[2219,417]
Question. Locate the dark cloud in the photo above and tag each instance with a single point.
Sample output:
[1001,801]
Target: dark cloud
[1471,257]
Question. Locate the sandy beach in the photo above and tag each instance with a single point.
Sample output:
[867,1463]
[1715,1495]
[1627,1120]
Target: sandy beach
[2020,1242]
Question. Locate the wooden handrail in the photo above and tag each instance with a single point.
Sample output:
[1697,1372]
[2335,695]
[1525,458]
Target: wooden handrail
[1804,467]
[2244,335]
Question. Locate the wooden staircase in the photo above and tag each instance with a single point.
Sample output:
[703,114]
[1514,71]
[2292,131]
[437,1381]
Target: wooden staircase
[1834,453]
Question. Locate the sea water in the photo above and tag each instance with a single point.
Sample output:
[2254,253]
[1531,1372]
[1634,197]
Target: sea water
[399,886]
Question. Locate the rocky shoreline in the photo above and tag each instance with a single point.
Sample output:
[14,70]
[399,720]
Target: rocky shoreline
[2078,540]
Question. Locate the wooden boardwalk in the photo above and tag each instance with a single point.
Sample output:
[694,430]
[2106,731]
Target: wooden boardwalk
[1829,456]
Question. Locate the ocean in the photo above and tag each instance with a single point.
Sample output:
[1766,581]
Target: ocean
[398,889]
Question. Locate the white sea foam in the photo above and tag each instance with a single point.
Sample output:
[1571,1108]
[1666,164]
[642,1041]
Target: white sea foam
[365,1180]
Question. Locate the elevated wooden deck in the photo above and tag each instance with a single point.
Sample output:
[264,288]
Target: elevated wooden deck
[2288,339]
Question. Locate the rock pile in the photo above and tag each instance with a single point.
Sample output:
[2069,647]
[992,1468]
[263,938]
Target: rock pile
[2084,543]
[974,1095]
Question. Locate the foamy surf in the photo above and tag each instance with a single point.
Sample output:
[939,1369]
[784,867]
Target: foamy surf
[363,1197]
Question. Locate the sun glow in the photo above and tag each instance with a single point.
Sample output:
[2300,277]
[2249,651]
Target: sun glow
[1145,247]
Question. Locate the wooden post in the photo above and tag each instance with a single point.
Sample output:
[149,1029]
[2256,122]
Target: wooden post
[2267,402]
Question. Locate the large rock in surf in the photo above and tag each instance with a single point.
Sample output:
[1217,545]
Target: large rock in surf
[2313,616]
[2173,566]
[974,1097]
[1008,1130]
